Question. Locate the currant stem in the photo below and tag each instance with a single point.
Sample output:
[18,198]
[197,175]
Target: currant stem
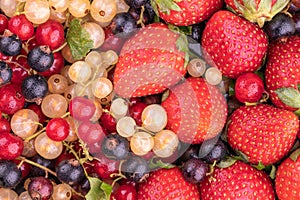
[37,165]
[65,115]
[60,48]
[140,21]
[34,135]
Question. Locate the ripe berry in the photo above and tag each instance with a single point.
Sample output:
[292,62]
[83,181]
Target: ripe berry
[123,25]
[136,3]
[194,170]
[192,151]
[135,111]
[11,146]
[3,23]
[40,58]
[135,168]
[20,69]
[90,132]
[11,99]
[81,108]
[40,188]
[4,125]
[57,129]
[104,166]
[10,45]
[34,88]
[217,153]
[125,192]
[70,172]
[41,161]
[5,73]
[56,67]
[249,87]
[108,122]
[10,174]
[21,26]
[38,110]
[25,168]
[115,147]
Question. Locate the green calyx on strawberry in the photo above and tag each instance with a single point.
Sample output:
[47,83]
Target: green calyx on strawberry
[151,61]
[196,110]
[265,134]
[233,44]
[258,11]
[185,12]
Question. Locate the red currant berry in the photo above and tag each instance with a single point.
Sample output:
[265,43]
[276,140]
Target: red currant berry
[249,87]
[108,122]
[4,125]
[57,129]
[104,166]
[125,192]
[81,108]
[4,57]
[90,132]
[3,23]
[32,43]
[112,42]
[19,73]
[25,168]
[11,146]
[50,33]
[38,110]
[56,67]
[21,26]
[11,99]
[135,111]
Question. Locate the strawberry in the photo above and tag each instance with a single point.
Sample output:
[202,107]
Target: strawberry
[282,70]
[263,133]
[150,62]
[287,182]
[167,184]
[186,12]
[196,110]
[239,181]
[257,10]
[233,44]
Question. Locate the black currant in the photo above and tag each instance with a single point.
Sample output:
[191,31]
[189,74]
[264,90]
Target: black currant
[36,171]
[5,73]
[135,168]
[217,153]
[40,188]
[70,171]
[197,30]
[123,24]
[136,14]
[296,18]
[194,170]
[136,3]
[10,174]
[40,58]
[281,25]
[10,45]
[191,152]
[115,147]
[34,88]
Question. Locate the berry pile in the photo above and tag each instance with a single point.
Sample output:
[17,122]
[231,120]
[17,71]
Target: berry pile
[149,99]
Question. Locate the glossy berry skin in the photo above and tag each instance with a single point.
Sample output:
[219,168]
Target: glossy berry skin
[10,45]
[287,181]
[10,174]
[3,23]
[239,181]
[70,172]
[217,153]
[112,42]
[34,88]
[249,87]
[90,132]
[81,108]
[161,184]
[104,166]
[38,110]
[40,58]
[123,24]
[135,111]
[135,169]
[21,26]
[40,188]
[115,147]
[50,33]
[20,70]
[41,161]
[136,3]
[11,99]
[108,122]
[194,170]
[225,48]
[24,168]
[263,133]
[4,125]
[5,73]
[56,67]
[125,192]
[57,129]
[11,146]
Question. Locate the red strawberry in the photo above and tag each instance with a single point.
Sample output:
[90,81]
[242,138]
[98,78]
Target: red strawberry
[167,184]
[287,182]
[263,133]
[282,69]
[149,62]
[196,110]
[233,44]
[186,12]
[239,181]
[257,10]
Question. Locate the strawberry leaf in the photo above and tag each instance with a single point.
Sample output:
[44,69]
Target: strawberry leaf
[99,190]
[78,40]
[154,164]
[289,96]
[295,155]
[259,166]
[272,173]
[226,162]
[165,6]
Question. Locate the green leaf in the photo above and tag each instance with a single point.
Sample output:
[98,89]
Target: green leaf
[229,161]
[99,190]
[259,166]
[231,91]
[78,40]
[272,173]
[187,30]
[289,96]
[295,155]
[182,45]
[154,164]
[166,6]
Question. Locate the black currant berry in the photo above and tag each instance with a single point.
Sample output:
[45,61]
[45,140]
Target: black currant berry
[40,58]
[217,153]
[70,171]
[40,188]
[34,88]
[5,73]
[136,14]
[115,147]
[36,171]
[10,45]
[280,25]
[10,174]
[191,152]
[136,3]
[296,18]
[197,30]
[135,169]
[123,24]
[194,170]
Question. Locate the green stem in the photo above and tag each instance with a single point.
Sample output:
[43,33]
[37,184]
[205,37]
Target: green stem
[37,165]
[34,135]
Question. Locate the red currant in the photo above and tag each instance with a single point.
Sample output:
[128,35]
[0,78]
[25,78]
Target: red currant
[57,129]
[38,110]
[21,26]
[249,87]
[90,132]
[3,23]
[25,168]
[56,67]
[11,146]
[108,122]
[81,108]
[125,192]
[135,111]
[50,33]
[4,125]
[104,166]
[11,99]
